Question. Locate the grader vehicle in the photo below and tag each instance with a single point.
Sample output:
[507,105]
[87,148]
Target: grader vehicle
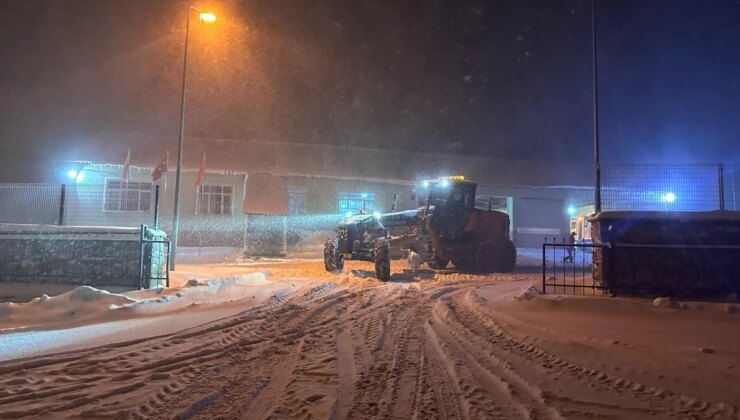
[446,227]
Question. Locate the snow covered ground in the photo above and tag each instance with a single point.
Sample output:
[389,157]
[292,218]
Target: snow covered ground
[284,339]
[87,316]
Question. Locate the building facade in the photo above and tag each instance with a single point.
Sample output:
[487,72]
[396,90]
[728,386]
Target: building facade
[318,186]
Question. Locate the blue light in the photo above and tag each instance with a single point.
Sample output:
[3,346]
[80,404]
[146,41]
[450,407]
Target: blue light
[348,214]
[669,197]
[377,215]
[445,183]
[425,184]
[72,174]
[363,195]
[572,210]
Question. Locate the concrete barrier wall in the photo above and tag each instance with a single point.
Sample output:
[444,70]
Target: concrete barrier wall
[672,267]
[69,255]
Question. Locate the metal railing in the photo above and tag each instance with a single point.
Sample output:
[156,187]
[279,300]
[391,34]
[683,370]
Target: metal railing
[567,269]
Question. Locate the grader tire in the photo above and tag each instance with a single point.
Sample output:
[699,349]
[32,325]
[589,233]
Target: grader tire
[382,259]
[486,259]
[465,263]
[333,260]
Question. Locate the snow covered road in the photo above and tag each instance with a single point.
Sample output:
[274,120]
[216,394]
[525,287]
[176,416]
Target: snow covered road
[443,345]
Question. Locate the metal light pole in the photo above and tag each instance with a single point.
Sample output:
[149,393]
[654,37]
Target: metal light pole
[204,17]
[597,161]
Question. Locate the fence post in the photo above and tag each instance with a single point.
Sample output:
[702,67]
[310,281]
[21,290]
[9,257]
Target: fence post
[544,266]
[141,256]
[62,200]
[167,265]
[608,270]
[612,277]
[555,261]
[156,207]
[721,180]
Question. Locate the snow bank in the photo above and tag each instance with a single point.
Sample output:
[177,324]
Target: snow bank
[529,293]
[666,302]
[89,294]
[81,304]
[87,304]
[88,317]
[56,229]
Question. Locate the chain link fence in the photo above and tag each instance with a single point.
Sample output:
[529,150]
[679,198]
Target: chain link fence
[30,203]
[125,204]
[663,187]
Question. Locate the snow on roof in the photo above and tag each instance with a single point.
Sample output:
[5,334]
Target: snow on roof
[12,228]
[661,215]
[336,161]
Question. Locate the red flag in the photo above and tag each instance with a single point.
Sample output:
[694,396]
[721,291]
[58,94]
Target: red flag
[201,172]
[126,166]
[160,169]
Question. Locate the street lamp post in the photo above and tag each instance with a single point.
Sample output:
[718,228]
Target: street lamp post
[595,87]
[204,17]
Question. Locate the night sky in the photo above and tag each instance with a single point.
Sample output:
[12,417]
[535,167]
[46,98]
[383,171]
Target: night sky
[510,79]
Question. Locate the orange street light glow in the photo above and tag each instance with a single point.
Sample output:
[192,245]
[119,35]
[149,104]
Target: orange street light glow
[207,17]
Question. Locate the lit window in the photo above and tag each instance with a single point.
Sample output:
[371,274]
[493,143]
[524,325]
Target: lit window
[123,195]
[356,202]
[215,199]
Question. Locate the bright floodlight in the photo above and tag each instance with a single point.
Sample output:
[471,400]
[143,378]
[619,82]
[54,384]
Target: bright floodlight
[72,174]
[207,17]
[377,215]
[669,197]
[348,214]
[572,210]
[80,176]
[445,183]
[363,195]
[425,184]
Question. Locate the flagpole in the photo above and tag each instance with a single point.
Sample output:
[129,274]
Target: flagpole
[126,166]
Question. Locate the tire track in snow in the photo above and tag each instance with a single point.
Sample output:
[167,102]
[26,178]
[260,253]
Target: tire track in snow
[137,360]
[344,348]
[620,397]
